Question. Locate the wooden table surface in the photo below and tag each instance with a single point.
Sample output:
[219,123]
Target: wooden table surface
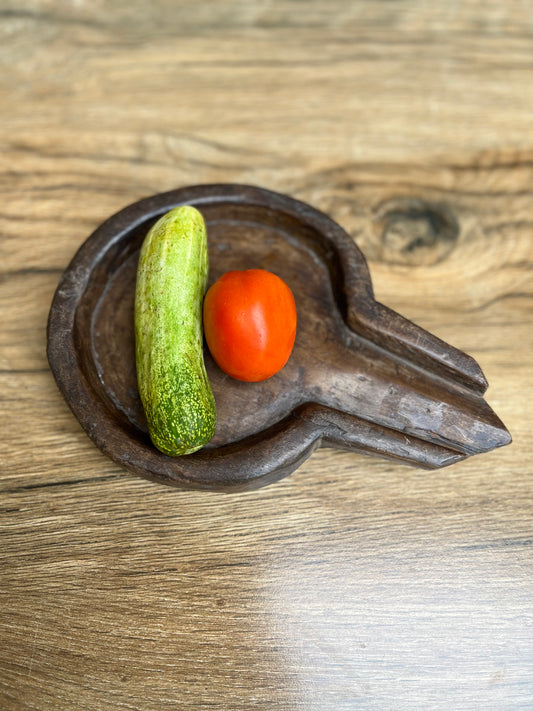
[354,583]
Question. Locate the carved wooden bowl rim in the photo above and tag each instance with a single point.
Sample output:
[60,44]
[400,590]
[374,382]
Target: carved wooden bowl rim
[251,463]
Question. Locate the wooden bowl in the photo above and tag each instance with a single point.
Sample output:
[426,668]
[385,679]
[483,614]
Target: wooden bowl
[360,377]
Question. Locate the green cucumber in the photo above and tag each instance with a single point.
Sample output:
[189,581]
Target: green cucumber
[171,282]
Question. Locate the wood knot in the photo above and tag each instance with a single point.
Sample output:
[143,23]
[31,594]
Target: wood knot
[415,232]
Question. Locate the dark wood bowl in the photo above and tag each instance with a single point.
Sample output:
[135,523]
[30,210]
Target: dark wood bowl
[360,377]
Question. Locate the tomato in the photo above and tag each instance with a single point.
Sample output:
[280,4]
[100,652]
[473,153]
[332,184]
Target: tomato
[250,323]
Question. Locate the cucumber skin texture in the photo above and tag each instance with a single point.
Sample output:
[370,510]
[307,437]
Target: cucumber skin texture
[171,281]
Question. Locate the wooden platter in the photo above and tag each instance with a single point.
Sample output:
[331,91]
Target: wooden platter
[361,377]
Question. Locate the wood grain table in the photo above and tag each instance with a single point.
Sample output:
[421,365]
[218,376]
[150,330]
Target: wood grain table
[354,583]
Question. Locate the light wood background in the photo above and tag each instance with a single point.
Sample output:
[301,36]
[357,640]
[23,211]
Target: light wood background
[354,583]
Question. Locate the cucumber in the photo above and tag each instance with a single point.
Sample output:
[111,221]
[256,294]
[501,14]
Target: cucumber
[173,384]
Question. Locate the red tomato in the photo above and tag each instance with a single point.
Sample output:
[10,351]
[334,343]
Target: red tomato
[250,323]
